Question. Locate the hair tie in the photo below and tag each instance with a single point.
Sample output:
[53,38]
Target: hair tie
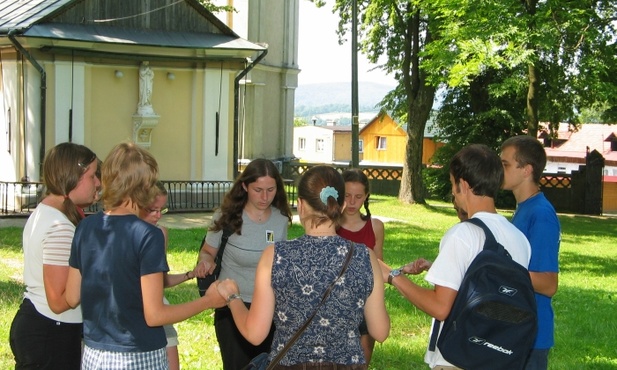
[327,192]
[66,197]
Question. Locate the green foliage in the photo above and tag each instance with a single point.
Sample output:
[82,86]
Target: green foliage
[567,43]
[216,8]
[584,305]
[299,121]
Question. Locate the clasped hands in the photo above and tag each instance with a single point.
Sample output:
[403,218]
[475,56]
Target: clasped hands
[412,268]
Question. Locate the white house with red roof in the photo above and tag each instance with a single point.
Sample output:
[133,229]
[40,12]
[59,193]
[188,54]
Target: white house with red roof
[568,151]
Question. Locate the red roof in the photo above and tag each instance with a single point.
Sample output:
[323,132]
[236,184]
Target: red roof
[588,137]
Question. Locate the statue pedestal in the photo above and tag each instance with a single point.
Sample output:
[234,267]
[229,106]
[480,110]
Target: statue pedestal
[142,128]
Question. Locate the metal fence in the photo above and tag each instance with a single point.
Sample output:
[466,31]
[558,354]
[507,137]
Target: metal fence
[565,191]
[21,198]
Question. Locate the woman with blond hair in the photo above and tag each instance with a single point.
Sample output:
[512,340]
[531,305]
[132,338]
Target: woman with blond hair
[117,269]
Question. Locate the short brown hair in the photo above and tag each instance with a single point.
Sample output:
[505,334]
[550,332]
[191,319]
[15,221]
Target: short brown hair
[129,172]
[529,150]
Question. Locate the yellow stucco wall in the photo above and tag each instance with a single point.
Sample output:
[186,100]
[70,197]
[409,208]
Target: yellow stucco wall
[176,142]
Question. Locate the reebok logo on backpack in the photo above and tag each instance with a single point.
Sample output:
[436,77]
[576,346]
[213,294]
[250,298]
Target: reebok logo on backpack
[493,321]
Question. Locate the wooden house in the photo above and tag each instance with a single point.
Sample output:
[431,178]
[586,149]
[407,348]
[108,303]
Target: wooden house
[384,141]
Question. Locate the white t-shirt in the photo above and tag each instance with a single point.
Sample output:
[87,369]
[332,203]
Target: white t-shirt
[47,240]
[458,248]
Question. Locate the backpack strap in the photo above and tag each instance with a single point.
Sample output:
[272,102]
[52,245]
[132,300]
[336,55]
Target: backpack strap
[490,243]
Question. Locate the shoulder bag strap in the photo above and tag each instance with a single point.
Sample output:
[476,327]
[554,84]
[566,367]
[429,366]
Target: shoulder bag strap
[308,321]
[226,234]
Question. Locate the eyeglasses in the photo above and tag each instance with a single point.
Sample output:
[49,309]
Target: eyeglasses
[162,211]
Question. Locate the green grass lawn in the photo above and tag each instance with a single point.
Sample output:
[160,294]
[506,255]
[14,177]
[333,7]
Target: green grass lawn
[585,310]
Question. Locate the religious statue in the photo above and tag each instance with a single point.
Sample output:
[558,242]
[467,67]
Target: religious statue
[146,76]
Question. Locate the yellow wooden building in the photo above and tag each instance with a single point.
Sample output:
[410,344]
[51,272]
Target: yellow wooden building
[383,141]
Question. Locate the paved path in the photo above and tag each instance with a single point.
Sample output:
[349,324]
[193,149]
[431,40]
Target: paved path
[170,220]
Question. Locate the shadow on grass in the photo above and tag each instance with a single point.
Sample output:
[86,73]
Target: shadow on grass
[570,262]
[592,333]
[592,226]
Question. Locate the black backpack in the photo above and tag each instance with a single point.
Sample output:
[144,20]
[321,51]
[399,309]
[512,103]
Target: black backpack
[493,321]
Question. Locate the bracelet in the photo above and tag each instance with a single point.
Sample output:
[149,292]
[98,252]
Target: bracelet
[187,276]
[231,297]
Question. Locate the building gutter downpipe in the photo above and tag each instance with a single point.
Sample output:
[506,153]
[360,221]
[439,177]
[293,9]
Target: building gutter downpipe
[237,103]
[23,51]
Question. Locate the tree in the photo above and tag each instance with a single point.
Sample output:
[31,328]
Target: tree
[566,49]
[400,30]
[299,121]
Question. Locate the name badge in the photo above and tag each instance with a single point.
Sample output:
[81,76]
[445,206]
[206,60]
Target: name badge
[269,236]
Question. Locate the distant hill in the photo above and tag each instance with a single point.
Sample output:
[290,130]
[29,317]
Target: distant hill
[321,99]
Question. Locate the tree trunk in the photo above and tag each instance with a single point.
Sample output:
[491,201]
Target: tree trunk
[532,102]
[534,82]
[420,98]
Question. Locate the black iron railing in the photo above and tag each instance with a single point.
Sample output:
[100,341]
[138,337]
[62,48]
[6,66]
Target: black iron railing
[21,198]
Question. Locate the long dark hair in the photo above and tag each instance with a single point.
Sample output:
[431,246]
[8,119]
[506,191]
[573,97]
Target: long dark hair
[356,175]
[236,198]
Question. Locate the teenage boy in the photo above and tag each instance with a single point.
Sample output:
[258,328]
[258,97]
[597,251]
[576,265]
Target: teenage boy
[476,174]
[524,159]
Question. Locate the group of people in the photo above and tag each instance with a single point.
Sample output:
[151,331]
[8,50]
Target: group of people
[99,280]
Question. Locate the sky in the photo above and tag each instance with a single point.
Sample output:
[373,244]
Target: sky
[321,58]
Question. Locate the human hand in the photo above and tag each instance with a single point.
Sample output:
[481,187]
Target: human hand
[204,268]
[213,298]
[417,266]
[385,270]
[227,287]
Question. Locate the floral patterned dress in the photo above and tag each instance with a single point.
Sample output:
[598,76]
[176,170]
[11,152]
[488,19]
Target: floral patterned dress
[302,270]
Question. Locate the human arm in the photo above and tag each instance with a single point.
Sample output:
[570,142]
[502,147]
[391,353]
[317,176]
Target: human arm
[378,229]
[56,250]
[73,288]
[436,302]
[205,260]
[544,283]
[54,279]
[541,227]
[175,279]
[377,319]
[254,324]
[156,313]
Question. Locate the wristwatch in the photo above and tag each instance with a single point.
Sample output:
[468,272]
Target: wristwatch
[394,273]
[233,296]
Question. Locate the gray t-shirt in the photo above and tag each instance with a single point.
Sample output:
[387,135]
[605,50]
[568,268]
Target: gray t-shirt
[242,252]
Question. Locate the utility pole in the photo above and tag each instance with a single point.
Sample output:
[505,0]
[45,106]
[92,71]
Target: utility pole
[355,131]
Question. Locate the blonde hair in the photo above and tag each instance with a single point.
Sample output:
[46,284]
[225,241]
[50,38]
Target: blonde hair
[129,173]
